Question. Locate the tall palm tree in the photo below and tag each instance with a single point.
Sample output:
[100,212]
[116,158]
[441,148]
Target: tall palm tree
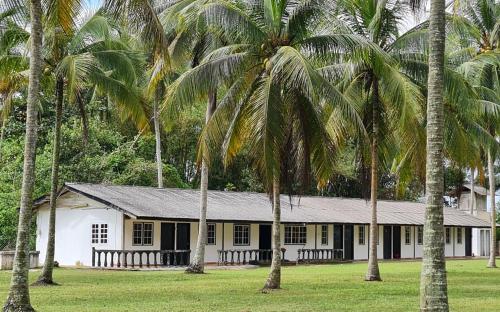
[19,299]
[388,100]
[433,282]
[87,54]
[276,101]
[477,32]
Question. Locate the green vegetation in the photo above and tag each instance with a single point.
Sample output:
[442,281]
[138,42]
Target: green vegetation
[472,287]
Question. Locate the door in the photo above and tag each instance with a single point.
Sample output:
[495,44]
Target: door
[387,242]
[396,242]
[348,242]
[167,241]
[183,242]
[338,239]
[265,241]
[468,242]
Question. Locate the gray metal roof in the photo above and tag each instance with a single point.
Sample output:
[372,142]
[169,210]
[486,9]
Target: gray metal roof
[477,189]
[183,204]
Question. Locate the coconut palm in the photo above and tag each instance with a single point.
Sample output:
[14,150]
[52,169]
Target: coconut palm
[389,102]
[477,36]
[433,283]
[276,101]
[90,54]
[19,299]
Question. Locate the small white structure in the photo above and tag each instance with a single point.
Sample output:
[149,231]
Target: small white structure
[105,225]
[476,204]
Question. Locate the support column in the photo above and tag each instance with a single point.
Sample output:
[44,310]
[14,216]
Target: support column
[315,236]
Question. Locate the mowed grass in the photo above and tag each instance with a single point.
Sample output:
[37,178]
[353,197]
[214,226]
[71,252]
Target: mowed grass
[340,287]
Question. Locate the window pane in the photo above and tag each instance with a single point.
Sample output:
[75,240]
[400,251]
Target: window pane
[211,234]
[361,233]
[104,233]
[137,234]
[241,235]
[295,234]
[95,233]
[459,235]
[324,234]
[407,235]
[420,235]
[147,236]
[448,235]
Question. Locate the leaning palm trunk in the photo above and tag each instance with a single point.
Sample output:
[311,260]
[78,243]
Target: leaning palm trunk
[433,284]
[274,278]
[19,298]
[198,263]
[373,273]
[159,164]
[46,277]
[491,177]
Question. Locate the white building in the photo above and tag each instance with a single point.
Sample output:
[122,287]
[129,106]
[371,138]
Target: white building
[104,225]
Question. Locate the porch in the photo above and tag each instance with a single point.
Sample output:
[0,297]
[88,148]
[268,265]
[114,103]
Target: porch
[108,258]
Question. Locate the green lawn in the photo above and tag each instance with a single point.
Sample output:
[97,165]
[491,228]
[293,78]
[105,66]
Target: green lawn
[472,287]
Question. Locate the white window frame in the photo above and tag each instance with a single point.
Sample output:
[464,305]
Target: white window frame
[211,240]
[95,234]
[298,234]
[104,233]
[361,235]
[242,239]
[142,236]
[407,235]
[324,234]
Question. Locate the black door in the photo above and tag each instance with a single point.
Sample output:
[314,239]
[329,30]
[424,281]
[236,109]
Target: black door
[265,241]
[387,242]
[348,242]
[167,239]
[338,238]
[468,242]
[396,242]
[183,238]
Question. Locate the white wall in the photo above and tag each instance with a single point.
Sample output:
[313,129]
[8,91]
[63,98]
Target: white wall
[75,215]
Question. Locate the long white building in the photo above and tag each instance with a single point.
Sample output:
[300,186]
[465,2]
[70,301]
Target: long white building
[105,225]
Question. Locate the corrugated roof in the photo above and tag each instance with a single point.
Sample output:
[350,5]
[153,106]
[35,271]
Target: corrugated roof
[149,202]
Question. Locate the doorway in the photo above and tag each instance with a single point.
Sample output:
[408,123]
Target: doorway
[167,240]
[265,241]
[468,242]
[183,242]
[338,241]
[349,242]
[387,242]
[175,237]
[396,242]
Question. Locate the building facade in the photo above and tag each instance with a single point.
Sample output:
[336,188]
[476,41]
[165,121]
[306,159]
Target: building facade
[117,224]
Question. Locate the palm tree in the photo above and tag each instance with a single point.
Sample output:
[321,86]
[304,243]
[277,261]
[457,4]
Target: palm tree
[19,299]
[276,101]
[83,56]
[388,100]
[477,27]
[433,283]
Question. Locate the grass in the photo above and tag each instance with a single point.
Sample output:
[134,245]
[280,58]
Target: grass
[472,287]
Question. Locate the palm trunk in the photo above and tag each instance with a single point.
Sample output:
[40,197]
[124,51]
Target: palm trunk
[491,177]
[85,122]
[46,277]
[19,298]
[433,283]
[472,192]
[2,134]
[198,263]
[274,278]
[159,164]
[373,273]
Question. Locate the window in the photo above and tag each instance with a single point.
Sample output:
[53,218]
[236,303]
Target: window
[295,234]
[420,235]
[361,233]
[104,233]
[142,234]
[95,233]
[407,235]
[99,233]
[324,234]
[211,234]
[448,235]
[459,235]
[241,236]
